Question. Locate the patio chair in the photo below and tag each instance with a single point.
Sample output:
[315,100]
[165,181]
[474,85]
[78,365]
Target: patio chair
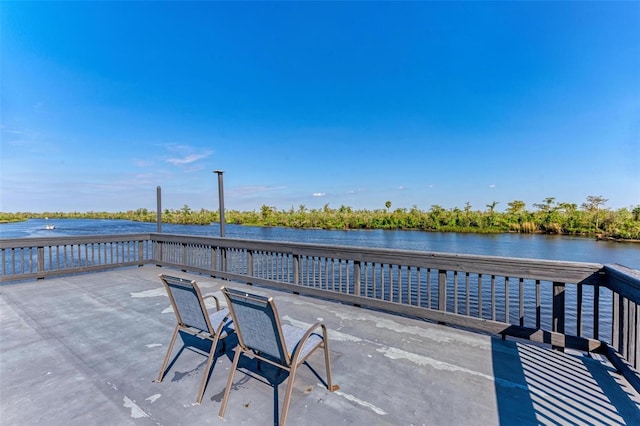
[193,318]
[261,335]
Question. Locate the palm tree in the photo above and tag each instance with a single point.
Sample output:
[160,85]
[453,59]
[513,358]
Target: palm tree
[491,208]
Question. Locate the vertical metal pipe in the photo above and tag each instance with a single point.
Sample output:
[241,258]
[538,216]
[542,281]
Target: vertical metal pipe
[159,208]
[220,200]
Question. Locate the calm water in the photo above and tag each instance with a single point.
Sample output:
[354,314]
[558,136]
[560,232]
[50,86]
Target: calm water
[512,245]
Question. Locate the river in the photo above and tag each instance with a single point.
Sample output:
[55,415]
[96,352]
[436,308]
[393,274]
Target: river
[552,247]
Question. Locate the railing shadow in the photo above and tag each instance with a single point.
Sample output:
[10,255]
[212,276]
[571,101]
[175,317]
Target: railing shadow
[512,392]
[612,385]
[537,385]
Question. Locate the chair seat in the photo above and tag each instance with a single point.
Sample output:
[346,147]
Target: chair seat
[217,317]
[292,336]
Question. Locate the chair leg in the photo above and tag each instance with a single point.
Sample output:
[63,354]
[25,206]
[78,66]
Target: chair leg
[232,373]
[327,359]
[212,354]
[166,357]
[287,395]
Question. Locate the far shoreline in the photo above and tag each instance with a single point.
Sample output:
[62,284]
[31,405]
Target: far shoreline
[597,237]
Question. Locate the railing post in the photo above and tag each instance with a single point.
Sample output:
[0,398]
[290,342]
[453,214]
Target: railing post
[157,251]
[296,269]
[223,259]
[140,253]
[356,277]
[442,290]
[616,321]
[624,327]
[479,295]
[493,298]
[632,353]
[558,309]
[250,263]
[40,259]
[538,306]
[507,314]
[596,312]
[579,310]
[184,255]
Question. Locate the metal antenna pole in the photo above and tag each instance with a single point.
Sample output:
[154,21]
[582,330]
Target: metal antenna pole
[220,200]
[159,208]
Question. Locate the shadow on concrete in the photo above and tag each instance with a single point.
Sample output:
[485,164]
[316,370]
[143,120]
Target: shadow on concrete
[201,347]
[544,386]
[512,393]
[252,370]
[628,407]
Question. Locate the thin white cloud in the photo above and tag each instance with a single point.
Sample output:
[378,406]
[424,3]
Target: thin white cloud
[178,161]
[492,186]
[401,187]
[184,154]
[319,194]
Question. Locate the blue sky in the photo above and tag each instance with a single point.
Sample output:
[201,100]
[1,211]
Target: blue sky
[314,103]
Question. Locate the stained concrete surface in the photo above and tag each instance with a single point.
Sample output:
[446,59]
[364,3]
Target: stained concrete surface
[86,349]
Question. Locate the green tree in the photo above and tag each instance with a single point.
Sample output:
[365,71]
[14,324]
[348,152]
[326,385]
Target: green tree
[593,206]
[515,207]
[491,215]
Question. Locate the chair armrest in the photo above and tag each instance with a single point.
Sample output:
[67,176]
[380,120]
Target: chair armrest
[305,337]
[214,298]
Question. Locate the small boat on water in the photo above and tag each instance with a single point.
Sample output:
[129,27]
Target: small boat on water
[50,227]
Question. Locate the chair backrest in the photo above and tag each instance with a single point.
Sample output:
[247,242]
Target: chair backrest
[187,303]
[257,324]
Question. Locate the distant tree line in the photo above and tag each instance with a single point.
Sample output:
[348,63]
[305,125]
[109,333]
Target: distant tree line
[591,218]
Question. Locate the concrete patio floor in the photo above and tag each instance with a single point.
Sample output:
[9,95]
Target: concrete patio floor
[86,350]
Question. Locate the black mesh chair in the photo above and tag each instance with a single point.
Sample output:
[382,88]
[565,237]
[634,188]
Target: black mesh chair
[193,318]
[262,336]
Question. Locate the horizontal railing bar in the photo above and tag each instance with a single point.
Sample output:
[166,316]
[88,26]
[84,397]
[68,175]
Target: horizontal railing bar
[547,270]
[495,327]
[624,281]
[9,243]
[62,272]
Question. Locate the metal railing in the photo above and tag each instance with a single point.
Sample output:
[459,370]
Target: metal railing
[587,306]
[28,258]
